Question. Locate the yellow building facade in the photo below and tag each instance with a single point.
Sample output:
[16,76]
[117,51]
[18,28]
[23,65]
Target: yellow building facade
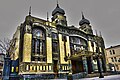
[53,47]
[113,57]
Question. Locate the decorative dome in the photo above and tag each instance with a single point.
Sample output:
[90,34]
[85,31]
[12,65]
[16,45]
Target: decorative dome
[84,21]
[58,10]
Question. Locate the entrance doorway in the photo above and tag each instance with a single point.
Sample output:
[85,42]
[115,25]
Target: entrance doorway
[77,66]
[89,64]
[55,66]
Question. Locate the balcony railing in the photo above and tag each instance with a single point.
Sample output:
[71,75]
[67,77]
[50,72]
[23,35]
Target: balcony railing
[34,67]
[81,53]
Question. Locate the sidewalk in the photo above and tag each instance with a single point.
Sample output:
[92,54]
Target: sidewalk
[97,74]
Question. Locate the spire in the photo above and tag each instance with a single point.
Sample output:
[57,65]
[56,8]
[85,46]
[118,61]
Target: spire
[30,10]
[57,1]
[47,16]
[100,34]
[83,15]
[47,19]
[96,32]
[57,4]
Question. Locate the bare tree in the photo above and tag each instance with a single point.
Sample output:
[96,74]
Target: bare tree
[7,46]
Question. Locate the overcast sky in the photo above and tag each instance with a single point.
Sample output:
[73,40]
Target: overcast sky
[104,15]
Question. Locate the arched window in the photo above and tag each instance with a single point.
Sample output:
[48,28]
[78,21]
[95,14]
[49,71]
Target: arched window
[38,45]
[77,44]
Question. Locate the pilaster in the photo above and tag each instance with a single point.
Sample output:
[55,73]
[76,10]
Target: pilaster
[49,49]
[89,46]
[62,51]
[27,47]
[68,46]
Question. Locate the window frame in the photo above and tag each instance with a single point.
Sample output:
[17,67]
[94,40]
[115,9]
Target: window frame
[36,45]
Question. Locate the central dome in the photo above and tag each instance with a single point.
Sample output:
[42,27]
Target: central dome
[58,10]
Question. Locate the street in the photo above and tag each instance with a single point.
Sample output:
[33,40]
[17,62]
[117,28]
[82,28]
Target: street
[110,77]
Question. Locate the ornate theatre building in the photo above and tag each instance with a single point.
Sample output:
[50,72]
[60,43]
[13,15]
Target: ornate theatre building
[54,49]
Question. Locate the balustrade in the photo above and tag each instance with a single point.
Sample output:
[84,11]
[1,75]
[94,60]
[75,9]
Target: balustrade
[35,67]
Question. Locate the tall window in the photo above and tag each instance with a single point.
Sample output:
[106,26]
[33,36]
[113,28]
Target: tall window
[110,52]
[38,45]
[113,51]
[55,48]
[117,67]
[54,42]
[112,59]
[115,59]
[54,36]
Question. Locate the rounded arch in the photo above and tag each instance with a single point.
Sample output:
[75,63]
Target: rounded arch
[38,26]
[77,43]
[38,33]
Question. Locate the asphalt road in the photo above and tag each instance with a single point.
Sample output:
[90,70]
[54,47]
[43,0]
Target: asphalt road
[110,77]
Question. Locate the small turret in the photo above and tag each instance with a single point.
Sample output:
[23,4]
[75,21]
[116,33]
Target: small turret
[58,16]
[58,10]
[85,25]
[84,21]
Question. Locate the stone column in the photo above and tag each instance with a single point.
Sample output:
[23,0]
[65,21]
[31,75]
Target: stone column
[85,64]
[70,67]
[92,64]
[103,65]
